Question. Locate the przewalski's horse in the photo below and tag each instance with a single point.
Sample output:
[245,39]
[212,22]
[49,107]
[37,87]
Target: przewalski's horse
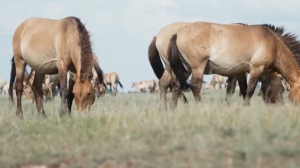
[220,80]
[138,86]
[51,81]
[204,48]
[145,86]
[111,79]
[51,47]
[2,83]
[159,48]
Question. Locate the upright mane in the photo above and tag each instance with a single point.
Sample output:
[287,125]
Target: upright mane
[289,39]
[86,50]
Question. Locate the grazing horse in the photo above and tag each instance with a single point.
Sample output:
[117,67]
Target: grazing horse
[145,86]
[220,80]
[158,48]
[111,79]
[138,87]
[51,47]
[205,48]
[2,83]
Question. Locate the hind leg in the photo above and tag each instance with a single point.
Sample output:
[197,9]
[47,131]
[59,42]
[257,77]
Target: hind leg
[20,68]
[38,92]
[113,90]
[196,82]
[255,73]
[164,83]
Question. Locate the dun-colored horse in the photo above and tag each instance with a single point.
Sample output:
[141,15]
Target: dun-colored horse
[204,48]
[158,49]
[51,47]
[111,79]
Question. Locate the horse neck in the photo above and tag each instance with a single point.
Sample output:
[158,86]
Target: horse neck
[287,66]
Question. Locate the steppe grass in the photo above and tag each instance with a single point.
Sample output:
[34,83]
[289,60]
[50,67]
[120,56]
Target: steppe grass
[129,131]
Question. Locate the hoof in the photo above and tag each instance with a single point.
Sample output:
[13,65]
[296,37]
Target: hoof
[246,104]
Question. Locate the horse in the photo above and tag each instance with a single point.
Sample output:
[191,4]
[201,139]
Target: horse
[2,83]
[111,79]
[205,48]
[144,86]
[5,89]
[220,80]
[158,48]
[138,87]
[51,81]
[51,47]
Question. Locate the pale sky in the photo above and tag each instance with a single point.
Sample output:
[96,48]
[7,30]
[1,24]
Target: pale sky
[122,30]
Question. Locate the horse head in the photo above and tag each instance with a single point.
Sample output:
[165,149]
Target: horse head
[84,93]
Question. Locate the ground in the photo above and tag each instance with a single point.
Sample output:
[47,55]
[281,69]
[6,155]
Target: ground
[129,131]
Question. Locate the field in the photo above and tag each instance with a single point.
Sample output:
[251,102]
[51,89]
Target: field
[129,131]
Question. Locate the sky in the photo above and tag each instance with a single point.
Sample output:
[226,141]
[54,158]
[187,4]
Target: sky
[122,30]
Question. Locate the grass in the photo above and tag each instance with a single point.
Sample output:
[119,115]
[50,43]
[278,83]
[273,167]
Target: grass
[129,131]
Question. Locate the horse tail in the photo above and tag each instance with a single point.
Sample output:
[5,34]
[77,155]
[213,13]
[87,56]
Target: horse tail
[99,73]
[120,84]
[12,79]
[176,63]
[155,60]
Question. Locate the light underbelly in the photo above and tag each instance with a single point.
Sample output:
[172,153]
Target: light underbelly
[226,69]
[42,65]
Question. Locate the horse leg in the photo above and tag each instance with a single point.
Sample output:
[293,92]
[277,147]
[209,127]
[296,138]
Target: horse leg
[255,73]
[175,93]
[242,80]
[37,89]
[164,83]
[71,94]
[196,82]
[230,87]
[20,68]
[62,73]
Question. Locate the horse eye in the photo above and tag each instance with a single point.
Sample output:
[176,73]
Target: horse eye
[89,94]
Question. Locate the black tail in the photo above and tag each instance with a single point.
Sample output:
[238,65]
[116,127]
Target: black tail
[99,73]
[176,64]
[120,84]
[12,79]
[155,60]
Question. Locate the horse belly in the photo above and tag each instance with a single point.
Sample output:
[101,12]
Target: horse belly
[226,68]
[41,62]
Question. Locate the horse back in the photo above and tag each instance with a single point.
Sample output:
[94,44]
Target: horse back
[40,41]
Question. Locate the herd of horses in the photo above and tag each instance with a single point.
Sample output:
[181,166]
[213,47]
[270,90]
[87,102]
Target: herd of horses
[59,53]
